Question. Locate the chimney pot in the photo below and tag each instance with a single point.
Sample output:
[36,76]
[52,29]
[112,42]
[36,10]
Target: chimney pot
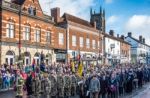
[144,40]
[140,38]
[111,32]
[117,35]
[130,34]
[122,37]
[55,12]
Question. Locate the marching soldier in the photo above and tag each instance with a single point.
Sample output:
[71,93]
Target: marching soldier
[47,86]
[36,86]
[53,80]
[73,85]
[33,86]
[60,85]
[42,84]
[19,86]
[67,86]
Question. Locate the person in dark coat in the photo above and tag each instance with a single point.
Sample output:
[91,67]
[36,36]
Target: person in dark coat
[129,82]
[28,84]
[112,83]
[140,77]
[104,85]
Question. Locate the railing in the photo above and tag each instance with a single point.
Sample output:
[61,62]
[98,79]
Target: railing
[10,5]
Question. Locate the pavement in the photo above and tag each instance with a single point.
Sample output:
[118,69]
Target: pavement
[141,93]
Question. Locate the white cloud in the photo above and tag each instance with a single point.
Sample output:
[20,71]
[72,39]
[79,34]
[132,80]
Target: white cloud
[80,8]
[112,19]
[139,25]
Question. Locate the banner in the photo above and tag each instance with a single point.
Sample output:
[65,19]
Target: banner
[80,68]
[73,66]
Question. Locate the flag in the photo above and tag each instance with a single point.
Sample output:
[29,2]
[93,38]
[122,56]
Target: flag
[80,68]
[33,64]
[72,66]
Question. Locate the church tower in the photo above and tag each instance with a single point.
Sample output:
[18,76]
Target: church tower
[99,18]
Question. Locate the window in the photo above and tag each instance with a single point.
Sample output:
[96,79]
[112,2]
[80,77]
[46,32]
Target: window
[87,43]
[48,37]
[37,35]
[10,29]
[31,10]
[81,42]
[61,39]
[74,41]
[93,44]
[26,34]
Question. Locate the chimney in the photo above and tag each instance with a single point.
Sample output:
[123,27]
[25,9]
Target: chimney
[140,38]
[144,40]
[55,12]
[130,34]
[122,37]
[111,32]
[117,35]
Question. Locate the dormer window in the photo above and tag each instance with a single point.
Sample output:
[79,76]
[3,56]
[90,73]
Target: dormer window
[31,10]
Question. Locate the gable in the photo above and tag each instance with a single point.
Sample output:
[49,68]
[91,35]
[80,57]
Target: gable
[132,42]
[33,4]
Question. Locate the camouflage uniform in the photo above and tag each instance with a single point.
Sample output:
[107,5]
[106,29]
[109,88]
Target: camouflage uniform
[36,87]
[42,85]
[53,85]
[60,85]
[47,87]
[67,87]
[19,86]
[1,80]
[73,85]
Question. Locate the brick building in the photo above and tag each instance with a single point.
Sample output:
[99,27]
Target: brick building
[125,50]
[27,31]
[82,37]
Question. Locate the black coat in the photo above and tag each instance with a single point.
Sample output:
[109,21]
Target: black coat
[104,85]
[29,85]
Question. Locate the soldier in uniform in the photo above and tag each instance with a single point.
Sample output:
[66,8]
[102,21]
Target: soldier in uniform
[47,86]
[42,84]
[19,85]
[73,85]
[1,81]
[33,86]
[53,80]
[78,86]
[60,85]
[67,86]
[36,86]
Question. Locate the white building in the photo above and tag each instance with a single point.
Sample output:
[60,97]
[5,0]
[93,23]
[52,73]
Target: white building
[140,51]
[112,49]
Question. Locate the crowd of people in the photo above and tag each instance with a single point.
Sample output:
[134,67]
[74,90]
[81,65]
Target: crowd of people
[59,81]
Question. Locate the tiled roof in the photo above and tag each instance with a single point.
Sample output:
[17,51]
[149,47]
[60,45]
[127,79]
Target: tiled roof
[76,20]
[138,41]
[115,38]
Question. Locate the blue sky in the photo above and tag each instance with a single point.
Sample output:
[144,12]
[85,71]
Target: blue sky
[121,15]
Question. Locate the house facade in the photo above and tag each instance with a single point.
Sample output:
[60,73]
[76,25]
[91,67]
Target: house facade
[140,51]
[83,39]
[25,30]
